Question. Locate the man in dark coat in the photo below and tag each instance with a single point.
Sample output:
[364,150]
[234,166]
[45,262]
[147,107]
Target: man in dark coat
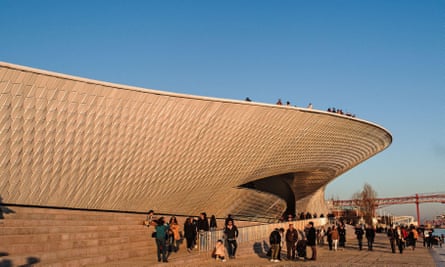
[275,240]
[231,233]
[392,239]
[370,235]
[291,241]
[311,240]
[203,229]
[359,233]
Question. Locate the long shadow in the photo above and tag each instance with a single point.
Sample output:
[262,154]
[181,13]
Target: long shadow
[30,261]
[261,249]
[4,209]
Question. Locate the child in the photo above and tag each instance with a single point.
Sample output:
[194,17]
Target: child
[219,252]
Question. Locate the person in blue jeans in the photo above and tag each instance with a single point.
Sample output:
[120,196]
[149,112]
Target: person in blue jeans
[161,239]
[231,233]
[203,229]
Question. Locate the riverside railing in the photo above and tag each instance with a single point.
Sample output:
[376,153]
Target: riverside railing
[207,240]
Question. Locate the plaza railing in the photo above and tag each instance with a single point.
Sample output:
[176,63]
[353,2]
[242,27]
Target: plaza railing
[207,239]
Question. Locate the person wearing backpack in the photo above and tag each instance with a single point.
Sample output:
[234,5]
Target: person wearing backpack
[415,236]
[275,240]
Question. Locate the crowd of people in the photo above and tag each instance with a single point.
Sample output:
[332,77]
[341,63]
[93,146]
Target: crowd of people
[438,222]
[340,111]
[296,243]
[310,106]
[400,237]
[301,216]
[168,235]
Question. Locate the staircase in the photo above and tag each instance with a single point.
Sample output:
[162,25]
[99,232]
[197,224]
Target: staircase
[57,237]
[62,237]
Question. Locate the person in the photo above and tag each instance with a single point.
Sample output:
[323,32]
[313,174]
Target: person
[426,235]
[370,235]
[334,236]
[320,236]
[342,236]
[219,252]
[359,233]
[392,238]
[429,240]
[195,223]
[405,235]
[302,217]
[149,220]
[329,237]
[274,240]
[213,226]
[311,240]
[189,233]
[203,229]
[231,233]
[441,239]
[399,239]
[228,218]
[161,242]
[169,242]
[283,240]
[291,241]
[413,236]
[290,217]
[279,102]
[176,238]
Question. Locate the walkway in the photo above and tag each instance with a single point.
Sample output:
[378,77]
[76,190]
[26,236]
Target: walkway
[252,254]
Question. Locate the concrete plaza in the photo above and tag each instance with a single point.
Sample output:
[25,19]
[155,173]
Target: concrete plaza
[253,254]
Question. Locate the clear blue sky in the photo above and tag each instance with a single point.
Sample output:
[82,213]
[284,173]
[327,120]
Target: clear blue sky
[382,60]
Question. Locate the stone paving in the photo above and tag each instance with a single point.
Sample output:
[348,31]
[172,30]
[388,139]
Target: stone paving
[252,254]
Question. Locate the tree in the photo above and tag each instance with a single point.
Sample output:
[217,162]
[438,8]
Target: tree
[366,202]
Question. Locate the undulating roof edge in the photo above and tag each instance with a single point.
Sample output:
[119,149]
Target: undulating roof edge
[179,95]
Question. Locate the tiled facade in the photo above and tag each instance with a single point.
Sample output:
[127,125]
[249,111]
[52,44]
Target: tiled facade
[72,142]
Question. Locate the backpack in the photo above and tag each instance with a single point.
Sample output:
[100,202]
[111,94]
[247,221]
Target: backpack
[274,239]
[415,234]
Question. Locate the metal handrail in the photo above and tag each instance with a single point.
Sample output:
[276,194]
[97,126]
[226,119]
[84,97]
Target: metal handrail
[253,233]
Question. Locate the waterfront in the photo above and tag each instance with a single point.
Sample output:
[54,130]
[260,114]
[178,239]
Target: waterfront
[439,231]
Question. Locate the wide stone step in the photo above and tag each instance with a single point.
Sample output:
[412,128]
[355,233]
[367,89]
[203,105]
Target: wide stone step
[181,258]
[84,259]
[37,247]
[66,229]
[91,251]
[76,215]
[65,222]
[56,237]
